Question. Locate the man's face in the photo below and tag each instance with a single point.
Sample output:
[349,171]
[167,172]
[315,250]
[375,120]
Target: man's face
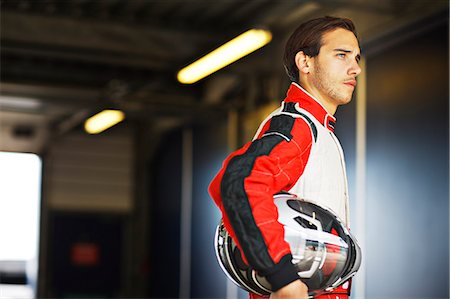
[336,67]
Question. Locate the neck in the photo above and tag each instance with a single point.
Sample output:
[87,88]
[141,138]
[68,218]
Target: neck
[316,95]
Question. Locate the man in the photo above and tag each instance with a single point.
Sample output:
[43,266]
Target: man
[294,150]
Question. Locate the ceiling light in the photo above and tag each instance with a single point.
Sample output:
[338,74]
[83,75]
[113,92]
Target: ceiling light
[19,102]
[228,53]
[103,120]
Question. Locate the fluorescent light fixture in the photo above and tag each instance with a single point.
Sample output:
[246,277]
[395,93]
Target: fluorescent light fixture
[19,102]
[103,120]
[228,53]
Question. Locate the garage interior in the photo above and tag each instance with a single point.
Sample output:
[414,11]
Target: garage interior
[134,197]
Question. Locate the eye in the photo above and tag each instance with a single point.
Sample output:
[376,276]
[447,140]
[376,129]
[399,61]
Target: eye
[341,55]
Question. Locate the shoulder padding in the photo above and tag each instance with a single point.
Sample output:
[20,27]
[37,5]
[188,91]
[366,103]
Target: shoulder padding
[291,109]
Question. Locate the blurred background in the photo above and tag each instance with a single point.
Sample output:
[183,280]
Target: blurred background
[125,213]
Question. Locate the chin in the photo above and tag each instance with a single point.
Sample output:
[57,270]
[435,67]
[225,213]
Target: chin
[343,101]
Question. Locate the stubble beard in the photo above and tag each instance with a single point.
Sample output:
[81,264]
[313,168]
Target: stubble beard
[325,82]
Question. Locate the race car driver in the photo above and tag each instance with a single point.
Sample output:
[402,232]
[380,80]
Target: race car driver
[294,150]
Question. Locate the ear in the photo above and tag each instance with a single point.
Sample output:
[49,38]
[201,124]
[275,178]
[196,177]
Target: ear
[303,62]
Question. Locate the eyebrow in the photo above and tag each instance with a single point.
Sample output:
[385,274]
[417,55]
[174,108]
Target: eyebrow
[358,57]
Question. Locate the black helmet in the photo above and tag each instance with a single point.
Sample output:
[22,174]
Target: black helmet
[324,252]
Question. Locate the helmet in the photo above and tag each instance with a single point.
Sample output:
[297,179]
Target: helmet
[324,252]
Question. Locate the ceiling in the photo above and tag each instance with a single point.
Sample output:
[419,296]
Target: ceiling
[63,60]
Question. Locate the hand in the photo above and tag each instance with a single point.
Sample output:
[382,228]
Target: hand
[294,290]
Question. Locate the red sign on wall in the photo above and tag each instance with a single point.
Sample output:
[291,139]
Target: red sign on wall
[85,254]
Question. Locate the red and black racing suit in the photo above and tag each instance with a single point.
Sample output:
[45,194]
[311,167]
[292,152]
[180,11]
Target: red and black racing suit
[243,189]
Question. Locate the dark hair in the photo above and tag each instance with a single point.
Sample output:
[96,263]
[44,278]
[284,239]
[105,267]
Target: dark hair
[308,38]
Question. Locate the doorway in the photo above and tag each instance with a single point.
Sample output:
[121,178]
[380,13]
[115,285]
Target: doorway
[20,201]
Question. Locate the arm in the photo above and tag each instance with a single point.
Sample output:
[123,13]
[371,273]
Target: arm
[244,190]
[294,290]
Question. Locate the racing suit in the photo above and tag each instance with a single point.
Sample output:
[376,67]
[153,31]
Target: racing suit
[294,150]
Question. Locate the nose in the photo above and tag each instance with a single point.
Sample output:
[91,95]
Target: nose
[354,69]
